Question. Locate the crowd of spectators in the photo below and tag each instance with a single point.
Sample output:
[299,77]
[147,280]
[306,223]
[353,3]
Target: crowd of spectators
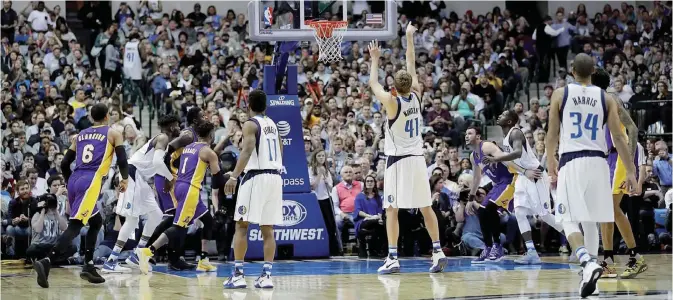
[471,67]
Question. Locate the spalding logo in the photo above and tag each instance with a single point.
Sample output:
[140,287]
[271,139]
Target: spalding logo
[293,213]
[283,128]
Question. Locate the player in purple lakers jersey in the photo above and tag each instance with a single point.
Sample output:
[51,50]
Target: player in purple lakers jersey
[165,192]
[636,263]
[92,152]
[195,159]
[503,175]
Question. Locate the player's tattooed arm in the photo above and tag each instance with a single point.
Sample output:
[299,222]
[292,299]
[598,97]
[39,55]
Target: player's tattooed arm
[631,127]
[619,138]
[476,178]
[68,158]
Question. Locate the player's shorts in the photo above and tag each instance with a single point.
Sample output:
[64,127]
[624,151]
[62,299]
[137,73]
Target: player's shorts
[501,194]
[260,198]
[189,207]
[583,188]
[407,184]
[139,197]
[532,194]
[617,173]
[83,191]
[165,199]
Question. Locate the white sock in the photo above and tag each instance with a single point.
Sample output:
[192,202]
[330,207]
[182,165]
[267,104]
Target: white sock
[582,254]
[530,246]
[115,253]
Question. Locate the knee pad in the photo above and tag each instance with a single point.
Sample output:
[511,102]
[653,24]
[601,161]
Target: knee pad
[175,232]
[207,230]
[96,222]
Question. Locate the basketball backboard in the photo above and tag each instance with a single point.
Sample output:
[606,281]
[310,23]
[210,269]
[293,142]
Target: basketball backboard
[286,20]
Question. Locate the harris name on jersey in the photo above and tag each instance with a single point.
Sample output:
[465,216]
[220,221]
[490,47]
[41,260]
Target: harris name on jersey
[583,100]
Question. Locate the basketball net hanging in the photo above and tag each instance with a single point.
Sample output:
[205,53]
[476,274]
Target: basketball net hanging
[329,35]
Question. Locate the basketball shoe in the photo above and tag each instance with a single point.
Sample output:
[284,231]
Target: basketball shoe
[591,272]
[204,265]
[144,255]
[439,261]
[483,256]
[496,254]
[264,281]
[608,270]
[180,264]
[113,267]
[390,265]
[530,258]
[90,273]
[634,267]
[236,281]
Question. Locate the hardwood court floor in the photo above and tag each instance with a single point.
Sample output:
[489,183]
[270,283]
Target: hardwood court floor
[347,278]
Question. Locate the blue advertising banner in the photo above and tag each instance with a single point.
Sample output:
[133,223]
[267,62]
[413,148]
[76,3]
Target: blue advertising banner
[284,110]
[303,227]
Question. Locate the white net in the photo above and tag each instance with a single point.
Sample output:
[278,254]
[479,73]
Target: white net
[329,36]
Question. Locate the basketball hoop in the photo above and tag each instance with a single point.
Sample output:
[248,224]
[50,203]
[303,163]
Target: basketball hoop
[329,35]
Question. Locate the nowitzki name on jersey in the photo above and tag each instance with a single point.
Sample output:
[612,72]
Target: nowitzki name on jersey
[582,100]
[91,136]
[411,111]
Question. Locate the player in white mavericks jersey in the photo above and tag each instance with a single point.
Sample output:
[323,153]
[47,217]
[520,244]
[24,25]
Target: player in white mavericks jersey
[260,192]
[531,191]
[138,199]
[133,67]
[407,184]
[577,117]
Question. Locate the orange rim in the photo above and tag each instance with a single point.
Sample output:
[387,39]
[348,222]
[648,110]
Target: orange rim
[324,28]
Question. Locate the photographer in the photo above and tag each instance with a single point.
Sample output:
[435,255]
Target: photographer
[47,227]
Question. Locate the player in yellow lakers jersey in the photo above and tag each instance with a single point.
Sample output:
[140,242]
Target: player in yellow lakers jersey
[636,264]
[195,159]
[92,152]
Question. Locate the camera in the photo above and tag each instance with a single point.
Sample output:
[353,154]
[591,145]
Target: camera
[50,200]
